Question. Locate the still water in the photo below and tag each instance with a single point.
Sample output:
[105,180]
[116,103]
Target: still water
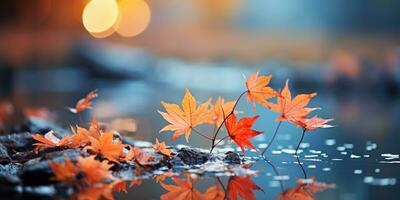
[358,159]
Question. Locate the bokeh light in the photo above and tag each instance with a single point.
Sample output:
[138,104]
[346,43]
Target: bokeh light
[100,15]
[134,17]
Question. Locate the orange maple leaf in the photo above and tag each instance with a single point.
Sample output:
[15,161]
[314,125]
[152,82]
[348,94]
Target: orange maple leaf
[293,110]
[183,190]
[81,136]
[106,146]
[219,110]
[85,103]
[304,190]
[138,155]
[183,120]
[50,140]
[94,171]
[160,147]
[215,192]
[240,132]
[95,192]
[314,123]
[242,186]
[258,90]
[65,172]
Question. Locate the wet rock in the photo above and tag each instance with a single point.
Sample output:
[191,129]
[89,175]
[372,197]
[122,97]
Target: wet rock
[4,157]
[37,125]
[17,142]
[232,158]
[39,192]
[38,171]
[192,156]
[8,180]
[9,169]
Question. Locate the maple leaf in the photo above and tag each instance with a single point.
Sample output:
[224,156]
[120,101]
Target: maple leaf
[119,185]
[84,103]
[219,110]
[95,192]
[136,154]
[304,190]
[183,120]
[183,190]
[94,171]
[293,110]
[242,186]
[106,146]
[65,172]
[50,140]
[160,147]
[258,90]
[215,192]
[81,136]
[314,123]
[240,132]
[135,182]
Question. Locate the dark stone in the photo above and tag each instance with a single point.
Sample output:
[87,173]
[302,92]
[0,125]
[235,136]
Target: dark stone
[8,180]
[40,126]
[17,142]
[4,157]
[232,158]
[38,171]
[192,157]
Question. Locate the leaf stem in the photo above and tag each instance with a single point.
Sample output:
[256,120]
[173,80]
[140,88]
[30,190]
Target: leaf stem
[221,140]
[297,155]
[276,172]
[201,134]
[223,122]
[273,138]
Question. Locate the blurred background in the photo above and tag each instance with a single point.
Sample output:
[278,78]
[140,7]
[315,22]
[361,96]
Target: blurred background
[138,52]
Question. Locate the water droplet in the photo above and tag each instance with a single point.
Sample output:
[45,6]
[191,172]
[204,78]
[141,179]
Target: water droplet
[330,142]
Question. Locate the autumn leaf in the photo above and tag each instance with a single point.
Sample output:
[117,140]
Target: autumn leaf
[219,110]
[258,90]
[106,146]
[135,182]
[215,192]
[82,136]
[119,186]
[94,171]
[242,186]
[65,172]
[240,132]
[84,103]
[293,110]
[50,140]
[136,154]
[183,190]
[161,148]
[314,123]
[304,190]
[183,120]
[95,192]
